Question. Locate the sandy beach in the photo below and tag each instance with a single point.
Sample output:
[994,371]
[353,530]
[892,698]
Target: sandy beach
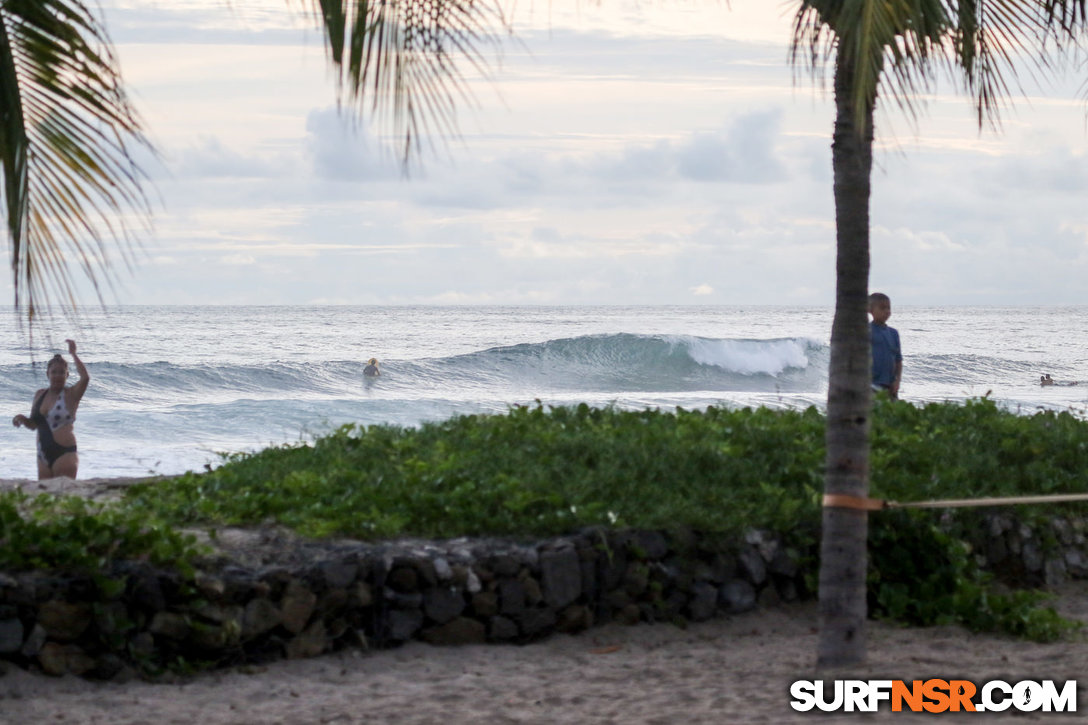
[729,670]
[735,670]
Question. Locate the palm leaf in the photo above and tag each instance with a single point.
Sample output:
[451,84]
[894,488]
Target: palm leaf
[875,36]
[67,137]
[404,58]
[899,47]
[990,36]
[68,132]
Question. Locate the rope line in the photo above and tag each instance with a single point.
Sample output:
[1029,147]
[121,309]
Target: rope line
[876,504]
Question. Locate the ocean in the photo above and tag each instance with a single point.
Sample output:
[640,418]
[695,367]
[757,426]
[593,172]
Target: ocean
[174,387]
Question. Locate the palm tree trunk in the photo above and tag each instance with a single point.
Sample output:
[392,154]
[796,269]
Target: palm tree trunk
[843,556]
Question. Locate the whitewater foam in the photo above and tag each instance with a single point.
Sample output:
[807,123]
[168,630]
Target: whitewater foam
[751,357]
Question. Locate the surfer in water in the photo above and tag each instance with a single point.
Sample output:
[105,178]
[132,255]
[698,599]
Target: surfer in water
[371,370]
[53,415]
[1047,380]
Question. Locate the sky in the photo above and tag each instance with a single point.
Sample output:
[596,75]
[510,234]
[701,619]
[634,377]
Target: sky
[619,152]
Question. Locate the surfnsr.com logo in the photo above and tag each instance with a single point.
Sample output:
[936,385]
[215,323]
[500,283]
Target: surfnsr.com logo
[933,695]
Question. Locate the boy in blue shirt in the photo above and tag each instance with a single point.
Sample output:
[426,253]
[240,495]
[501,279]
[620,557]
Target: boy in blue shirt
[887,355]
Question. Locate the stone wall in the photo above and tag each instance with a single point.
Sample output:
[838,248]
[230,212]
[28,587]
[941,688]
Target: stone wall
[351,594]
[379,595]
[1023,556]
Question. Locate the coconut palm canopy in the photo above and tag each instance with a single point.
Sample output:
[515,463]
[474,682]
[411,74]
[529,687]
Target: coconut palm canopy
[900,47]
[71,140]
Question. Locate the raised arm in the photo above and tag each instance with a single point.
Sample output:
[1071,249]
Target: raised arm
[80,386]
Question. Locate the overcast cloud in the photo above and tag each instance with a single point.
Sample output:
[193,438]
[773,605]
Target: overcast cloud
[627,153]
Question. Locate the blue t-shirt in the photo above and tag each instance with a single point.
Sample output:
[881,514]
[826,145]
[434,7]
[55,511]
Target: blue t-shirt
[886,353]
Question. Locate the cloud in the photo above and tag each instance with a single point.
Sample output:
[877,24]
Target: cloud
[238,259]
[1054,171]
[745,153]
[742,153]
[609,160]
[204,21]
[687,170]
[342,149]
[209,158]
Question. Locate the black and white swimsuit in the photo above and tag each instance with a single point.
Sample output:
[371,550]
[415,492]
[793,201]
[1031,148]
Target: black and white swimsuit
[57,417]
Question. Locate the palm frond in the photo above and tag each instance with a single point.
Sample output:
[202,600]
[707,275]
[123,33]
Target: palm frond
[73,190]
[405,58]
[895,45]
[992,40]
[1066,16]
[899,47]
[13,149]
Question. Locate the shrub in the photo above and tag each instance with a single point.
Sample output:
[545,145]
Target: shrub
[538,471]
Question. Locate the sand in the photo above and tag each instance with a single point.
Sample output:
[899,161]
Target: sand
[735,670]
[730,670]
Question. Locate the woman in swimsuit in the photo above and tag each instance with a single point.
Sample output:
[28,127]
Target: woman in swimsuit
[52,415]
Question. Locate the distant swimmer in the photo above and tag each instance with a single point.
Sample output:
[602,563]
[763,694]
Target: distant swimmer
[1047,380]
[371,370]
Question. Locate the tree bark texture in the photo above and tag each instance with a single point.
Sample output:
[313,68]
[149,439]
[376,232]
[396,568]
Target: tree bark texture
[843,549]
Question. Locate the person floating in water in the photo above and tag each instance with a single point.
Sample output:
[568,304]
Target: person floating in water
[1047,380]
[53,414]
[371,370]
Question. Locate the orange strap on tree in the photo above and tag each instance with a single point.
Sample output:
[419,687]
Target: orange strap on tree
[838,500]
[842,501]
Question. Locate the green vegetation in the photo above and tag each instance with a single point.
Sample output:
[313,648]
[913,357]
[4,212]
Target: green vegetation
[539,471]
[920,574]
[55,532]
[976,450]
[532,472]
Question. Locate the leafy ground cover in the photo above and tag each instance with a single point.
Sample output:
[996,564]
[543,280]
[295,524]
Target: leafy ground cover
[541,471]
[67,532]
[533,472]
